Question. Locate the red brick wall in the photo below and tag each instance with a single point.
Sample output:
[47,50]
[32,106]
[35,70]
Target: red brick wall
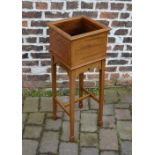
[36,60]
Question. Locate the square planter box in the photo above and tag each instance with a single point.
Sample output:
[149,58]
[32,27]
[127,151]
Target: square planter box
[78,41]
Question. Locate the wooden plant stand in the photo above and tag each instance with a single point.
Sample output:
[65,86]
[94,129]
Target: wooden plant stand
[78,44]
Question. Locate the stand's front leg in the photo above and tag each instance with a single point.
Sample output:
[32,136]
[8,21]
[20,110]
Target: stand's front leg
[80,89]
[101,98]
[72,99]
[53,67]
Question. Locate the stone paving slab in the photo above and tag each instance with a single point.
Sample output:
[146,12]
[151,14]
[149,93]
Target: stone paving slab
[44,136]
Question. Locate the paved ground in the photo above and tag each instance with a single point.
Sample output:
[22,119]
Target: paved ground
[43,136]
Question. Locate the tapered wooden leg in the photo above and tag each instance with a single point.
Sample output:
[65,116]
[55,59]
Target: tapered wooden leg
[72,86]
[80,89]
[101,98]
[54,114]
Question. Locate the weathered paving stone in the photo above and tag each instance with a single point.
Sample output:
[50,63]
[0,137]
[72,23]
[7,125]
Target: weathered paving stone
[93,105]
[59,114]
[89,151]
[49,142]
[108,110]
[124,129]
[36,118]
[109,153]
[125,95]
[122,114]
[66,130]
[53,124]
[29,147]
[31,104]
[122,106]
[24,117]
[111,96]
[88,139]
[77,116]
[88,122]
[126,148]
[108,122]
[68,149]
[32,132]
[108,139]
[46,104]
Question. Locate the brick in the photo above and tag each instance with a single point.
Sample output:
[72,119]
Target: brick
[108,139]
[31,40]
[57,5]
[39,23]
[117,62]
[101,5]
[112,55]
[118,48]
[128,47]
[122,106]
[36,77]
[125,68]
[41,5]
[36,118]
[110,69]
[126,148]
[89,151]
[125,130]
[105,22]
[91,14]
[121,32]
[68,149]
[53,124]
[32,132]
[56,15]
[121,23]
[27,5]
[26,70]
[44,40]
[46,63]
[88,122]
[40,55]
[25,56]
[86,5]
[109,153]
[32,31]
[88,139]
[72,4]
[124,15]
[29,147]
[127,40]
[117,6]
[111,39]
[31,104]
[31,14]
[114,76]
[109,15]
[126,55]
[108,122]
[24,23]
[29,63]
[129,7]
[32,48]
[122,114]
[66,131]
[49,142]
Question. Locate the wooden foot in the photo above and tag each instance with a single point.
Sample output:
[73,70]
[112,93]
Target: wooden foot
[72,139]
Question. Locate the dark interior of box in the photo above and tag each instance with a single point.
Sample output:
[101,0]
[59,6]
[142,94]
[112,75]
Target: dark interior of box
[78,26]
